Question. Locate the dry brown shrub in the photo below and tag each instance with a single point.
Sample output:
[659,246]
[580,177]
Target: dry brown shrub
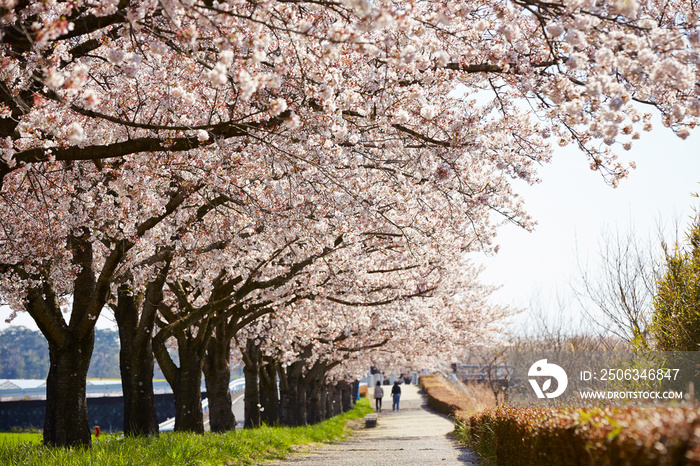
[445,398]
[479,397]
[622,436]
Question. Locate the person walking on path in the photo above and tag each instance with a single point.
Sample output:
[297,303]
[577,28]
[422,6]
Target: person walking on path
[396,393]
[416,437]
[378,394]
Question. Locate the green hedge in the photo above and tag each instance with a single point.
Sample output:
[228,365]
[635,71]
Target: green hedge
[535,436]
[441,397]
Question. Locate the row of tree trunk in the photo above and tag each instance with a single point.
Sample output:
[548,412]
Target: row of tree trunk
[146,322]
[204,341]
[303,396]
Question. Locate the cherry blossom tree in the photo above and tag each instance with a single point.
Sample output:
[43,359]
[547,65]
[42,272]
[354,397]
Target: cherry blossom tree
[135,312]
[62,244]
[267,272]
[369,270]
[583,66]
[415,117]
[206,322]
[321,343]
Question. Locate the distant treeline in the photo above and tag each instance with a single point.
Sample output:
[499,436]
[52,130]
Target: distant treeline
[24,354]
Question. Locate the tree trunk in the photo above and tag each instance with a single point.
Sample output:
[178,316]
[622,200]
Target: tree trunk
[285,396]
[314,379]
[346,394]
[337,402]
[315,409]
[318,408]
[269,395]
[252,391]
[66,422]
[136,366]
[292,396]
[330,402]
[186,380]
[302,418]
[217,375]
[322,405]
[291,403]
[187,391]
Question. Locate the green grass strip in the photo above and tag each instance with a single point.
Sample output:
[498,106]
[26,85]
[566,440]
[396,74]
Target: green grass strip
[14,438]
[243,447]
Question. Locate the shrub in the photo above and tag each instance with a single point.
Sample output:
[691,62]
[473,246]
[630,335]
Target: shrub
[676,320]
[629,436]
[441,395]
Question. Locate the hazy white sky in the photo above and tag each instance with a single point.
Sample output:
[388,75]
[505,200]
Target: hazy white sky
[573,205]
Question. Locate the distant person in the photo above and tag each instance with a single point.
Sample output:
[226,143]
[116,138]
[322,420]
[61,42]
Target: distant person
[378,394]
[396,393]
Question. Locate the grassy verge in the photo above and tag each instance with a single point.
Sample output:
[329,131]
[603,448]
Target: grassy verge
[243,447]
[14,438]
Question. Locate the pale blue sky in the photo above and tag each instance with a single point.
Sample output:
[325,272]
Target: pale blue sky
[573,205]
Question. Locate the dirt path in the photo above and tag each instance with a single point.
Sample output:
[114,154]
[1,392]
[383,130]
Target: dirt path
[411,436]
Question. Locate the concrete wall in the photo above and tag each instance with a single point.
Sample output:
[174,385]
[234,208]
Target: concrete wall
[106,412]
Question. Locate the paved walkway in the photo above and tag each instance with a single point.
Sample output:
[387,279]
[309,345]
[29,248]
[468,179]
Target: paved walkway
[412,436]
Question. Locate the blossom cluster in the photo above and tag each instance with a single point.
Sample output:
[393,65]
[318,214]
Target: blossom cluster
[251,137]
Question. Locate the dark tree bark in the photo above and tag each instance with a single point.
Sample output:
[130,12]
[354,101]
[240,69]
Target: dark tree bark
[66,422]
[291,393]
[346,395]
[300,395]
[269,394]
[302,403]
[136,359]
[135,315]
[185,379]
[319,400]
[295,389]
[187,391]
[136,366]
[314,408]
[217,375]
[285,394]
[322,404]
[330,401]
[317,391]
[337,404]
[251,371]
